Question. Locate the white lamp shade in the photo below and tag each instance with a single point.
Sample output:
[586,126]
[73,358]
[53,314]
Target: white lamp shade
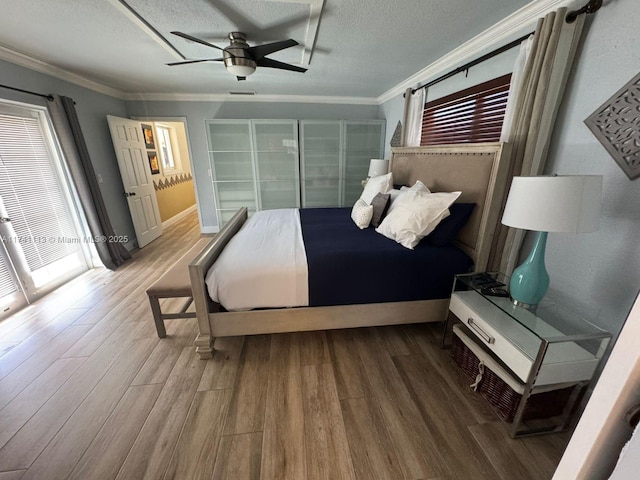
[378,167]
[568,203]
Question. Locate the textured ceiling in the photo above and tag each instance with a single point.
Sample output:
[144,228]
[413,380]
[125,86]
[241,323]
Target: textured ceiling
[362,49]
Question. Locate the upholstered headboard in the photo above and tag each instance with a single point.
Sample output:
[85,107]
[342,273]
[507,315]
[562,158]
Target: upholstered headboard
[478,170]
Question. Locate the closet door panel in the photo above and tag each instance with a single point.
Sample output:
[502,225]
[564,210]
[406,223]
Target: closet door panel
[232,166]
[363,140]
[275,144]
[321,163]
[229,135]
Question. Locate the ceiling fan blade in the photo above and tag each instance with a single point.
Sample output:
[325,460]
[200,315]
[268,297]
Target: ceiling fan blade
[260,51]
[172,64]
[268,62]
[197,40]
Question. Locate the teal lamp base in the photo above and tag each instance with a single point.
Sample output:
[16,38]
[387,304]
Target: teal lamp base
[530,281]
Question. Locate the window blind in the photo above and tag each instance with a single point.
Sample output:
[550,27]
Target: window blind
[32,194]
[469,116]
[7,285]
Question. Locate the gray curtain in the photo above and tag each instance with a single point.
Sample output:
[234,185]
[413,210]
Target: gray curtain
[543,81]
[67,127]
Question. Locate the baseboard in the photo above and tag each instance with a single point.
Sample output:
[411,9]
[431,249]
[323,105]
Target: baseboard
[176,218]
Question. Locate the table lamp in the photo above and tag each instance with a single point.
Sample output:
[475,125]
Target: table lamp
[567,203]
[377,167]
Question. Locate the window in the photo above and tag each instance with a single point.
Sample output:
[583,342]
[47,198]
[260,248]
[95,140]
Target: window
[40,236]
[468,116]
[168,156]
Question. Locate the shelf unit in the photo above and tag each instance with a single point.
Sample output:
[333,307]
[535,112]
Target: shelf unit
[363,140]
[257,163]
[254,164]
[334,159]
[321,163]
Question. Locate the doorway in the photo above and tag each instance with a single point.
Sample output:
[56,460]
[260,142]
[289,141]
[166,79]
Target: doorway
[173,178]
[154,159]
[42,241]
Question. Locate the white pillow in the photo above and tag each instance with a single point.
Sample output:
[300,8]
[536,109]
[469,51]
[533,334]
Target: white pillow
[375,185]
[394,200]
[361,213]
[415,216]
[419,187]
[394,194]
[398,194]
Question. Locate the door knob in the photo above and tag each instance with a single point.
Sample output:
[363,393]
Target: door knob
[129,194]
[4,220]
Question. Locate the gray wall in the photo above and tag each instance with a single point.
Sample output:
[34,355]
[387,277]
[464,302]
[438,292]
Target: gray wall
[92,108]
[197,112]
[596,274]
[599,273]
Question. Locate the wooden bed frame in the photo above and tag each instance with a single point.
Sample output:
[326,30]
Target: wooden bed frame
[478,170]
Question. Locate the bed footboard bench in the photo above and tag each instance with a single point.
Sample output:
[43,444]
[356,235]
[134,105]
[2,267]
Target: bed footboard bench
[174,283]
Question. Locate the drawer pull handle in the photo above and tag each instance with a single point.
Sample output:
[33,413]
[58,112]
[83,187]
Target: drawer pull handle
[476,328]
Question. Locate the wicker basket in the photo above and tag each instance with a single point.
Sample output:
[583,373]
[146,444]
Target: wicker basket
[503,397]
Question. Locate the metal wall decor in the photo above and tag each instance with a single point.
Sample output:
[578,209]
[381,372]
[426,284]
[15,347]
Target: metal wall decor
[396,139]
[616,124]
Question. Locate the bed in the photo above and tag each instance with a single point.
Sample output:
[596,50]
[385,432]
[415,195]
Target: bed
[478,170]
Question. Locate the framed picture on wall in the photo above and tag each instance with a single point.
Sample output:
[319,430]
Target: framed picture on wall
[153,163]
[147,133]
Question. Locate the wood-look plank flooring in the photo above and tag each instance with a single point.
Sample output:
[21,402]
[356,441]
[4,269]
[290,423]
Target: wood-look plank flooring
[88,391]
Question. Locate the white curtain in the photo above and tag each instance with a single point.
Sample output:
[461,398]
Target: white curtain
[414,106]
[515,89]
[534,113]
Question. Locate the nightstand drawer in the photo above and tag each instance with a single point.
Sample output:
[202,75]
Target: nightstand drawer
[469,307]
[516,346]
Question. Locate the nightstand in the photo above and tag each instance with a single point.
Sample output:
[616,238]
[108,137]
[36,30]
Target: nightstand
[538,354]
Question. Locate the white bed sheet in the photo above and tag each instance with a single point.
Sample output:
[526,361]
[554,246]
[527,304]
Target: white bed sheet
[263,265]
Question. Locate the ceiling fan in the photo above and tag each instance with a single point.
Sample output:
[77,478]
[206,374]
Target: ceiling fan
[240,59]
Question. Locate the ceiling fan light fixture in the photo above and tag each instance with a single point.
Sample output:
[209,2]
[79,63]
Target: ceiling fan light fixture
[240,67]
[241,70]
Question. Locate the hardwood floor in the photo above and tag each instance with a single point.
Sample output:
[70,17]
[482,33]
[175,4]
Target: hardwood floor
[88,391]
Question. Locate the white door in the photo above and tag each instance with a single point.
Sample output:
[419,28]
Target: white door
[136,178]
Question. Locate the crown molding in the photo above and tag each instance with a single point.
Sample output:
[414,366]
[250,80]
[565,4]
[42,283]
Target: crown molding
[526,17]
[225,97]
[48,69]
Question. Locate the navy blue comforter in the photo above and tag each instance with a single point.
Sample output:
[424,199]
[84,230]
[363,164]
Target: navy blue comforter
[351,266]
